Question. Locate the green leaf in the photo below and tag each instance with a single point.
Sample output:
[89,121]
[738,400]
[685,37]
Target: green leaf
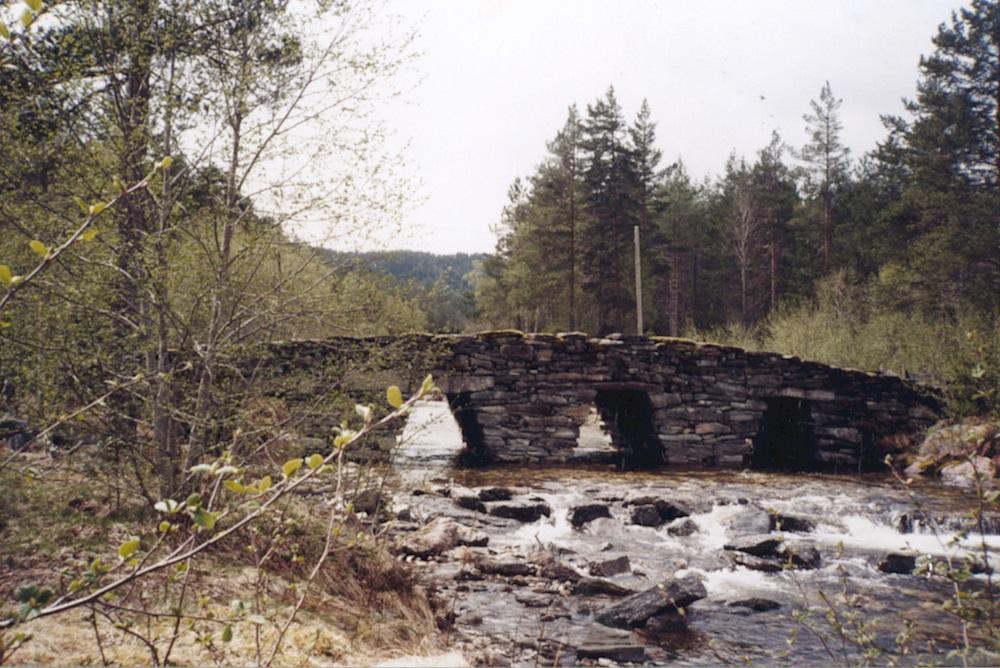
[97,207]
[4,31]
[27,17]
[394,396]
[5,276]
[289,468]
[90,234]
[167,506]
[227,633]
[36,5]
[315,461]
[235,486]
[264,484]
[365,412]
[164,526]
[39,248]
[204,519]
[128,548]
[427,385]
[166,162]
[342,440]
[193,501]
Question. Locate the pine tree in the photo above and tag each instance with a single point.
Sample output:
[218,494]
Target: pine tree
[951,155]
[558,202]
[827,159]
[611,180]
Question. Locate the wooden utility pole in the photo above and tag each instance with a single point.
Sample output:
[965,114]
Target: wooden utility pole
[638,285]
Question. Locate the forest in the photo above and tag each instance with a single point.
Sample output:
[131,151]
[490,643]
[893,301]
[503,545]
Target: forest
[196,470]
[888,260]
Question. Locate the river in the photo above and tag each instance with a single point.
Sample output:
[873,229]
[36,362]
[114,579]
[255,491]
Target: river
[513,615]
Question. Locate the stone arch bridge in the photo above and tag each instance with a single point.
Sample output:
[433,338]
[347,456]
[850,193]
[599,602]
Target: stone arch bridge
[523,397]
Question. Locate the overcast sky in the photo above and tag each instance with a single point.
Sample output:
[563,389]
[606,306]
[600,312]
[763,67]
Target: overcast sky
[498,76]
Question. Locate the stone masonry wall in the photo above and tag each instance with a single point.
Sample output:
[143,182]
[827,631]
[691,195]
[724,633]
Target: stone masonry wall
[522,398]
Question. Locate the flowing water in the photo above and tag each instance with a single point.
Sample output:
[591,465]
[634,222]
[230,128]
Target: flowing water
[852,522]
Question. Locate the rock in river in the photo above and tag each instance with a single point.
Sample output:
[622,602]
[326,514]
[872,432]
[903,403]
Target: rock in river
[671,595]
[898,562]
[522,512]
[599,587]
[439,536]
[646,516]
[582,515]
[495,494]
[611,567]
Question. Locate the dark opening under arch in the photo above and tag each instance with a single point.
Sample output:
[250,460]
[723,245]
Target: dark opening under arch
[785,441]
[628,418]
[474,453]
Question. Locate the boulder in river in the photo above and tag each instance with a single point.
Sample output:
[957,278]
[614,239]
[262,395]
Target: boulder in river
[756,604]
[495,494]
[763,545]
[646,516]
[581,515]
[667,622]
[504,568]
[672,595]
[772,547]
[610,567]
[793,523]
[748,519]
[439,536]
[668,510]
[682,526]
[522,512]
[799,555]
[599,587]
[755,563]
[470,502]
[964,474]
[900,563]
[600,642]
[557,570]
[368,501]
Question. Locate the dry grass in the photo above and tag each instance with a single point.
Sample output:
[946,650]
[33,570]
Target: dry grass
[363,607]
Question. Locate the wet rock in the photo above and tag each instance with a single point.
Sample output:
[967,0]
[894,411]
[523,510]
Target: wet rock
[610,567]
[646,516]
[668,510]
[683,526]
[505,568]
[439,536]
[599,587]
[667,622]
[758,546]
[755,563]
[404,514]
[791,523]
[799,555]
[530,600]
[964,474]
[756,604]
[495,494]
[901,563]
[581,515]
[748,520]
[368,501]
[671,595]
[470,502]
[610,645]
[522,512]
[469,619]
[556,570]
[774,548]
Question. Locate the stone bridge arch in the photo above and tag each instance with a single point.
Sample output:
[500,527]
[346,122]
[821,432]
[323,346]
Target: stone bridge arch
[522,398]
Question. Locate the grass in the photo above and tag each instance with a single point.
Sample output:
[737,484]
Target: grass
[362,607]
